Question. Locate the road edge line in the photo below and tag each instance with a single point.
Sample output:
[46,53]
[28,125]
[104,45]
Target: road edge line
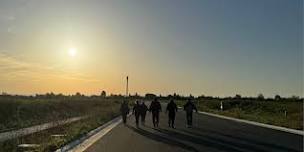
[293,131]
[279,128]
[80,145]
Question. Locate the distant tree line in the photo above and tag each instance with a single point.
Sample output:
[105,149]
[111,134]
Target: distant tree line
[151,96]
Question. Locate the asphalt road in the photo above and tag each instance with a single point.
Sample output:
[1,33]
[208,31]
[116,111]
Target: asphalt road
[208,134]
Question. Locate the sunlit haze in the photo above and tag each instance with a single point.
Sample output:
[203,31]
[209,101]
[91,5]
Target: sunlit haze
[72,52]
[210,47]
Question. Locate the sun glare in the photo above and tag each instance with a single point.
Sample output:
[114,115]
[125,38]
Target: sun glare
[72,52]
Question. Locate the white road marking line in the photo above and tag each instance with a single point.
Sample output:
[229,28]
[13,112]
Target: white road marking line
[293,131]
[288,130]
[93,136]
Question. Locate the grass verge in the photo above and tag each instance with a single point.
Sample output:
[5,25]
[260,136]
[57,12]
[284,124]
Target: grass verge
[67,133]
[279,113]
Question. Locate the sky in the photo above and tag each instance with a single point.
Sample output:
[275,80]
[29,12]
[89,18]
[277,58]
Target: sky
[209,47]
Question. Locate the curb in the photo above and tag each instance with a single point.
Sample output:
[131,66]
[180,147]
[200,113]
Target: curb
[288,130]
[90,138]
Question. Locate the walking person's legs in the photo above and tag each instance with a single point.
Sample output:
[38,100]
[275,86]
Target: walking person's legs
[172,121]
[143,119]
[137,119]
[190,119]
[157,119]
[124,118]
[154,119]
[173,126]
[169,120]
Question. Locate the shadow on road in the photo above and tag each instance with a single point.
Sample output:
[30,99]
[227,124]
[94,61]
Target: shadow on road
[247,143]
[163,139]
[219,143]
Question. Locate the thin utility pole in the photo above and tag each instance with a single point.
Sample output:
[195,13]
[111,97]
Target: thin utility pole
[127,88]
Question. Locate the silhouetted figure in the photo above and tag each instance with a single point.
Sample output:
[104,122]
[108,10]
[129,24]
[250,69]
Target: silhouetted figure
[143,112]
[189,107]
[124,109]
[172,109]
[155,108]
[136,112]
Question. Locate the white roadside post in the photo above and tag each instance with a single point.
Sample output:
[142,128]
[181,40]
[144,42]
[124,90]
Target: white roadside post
[198,103]
[222,107]
[285,113]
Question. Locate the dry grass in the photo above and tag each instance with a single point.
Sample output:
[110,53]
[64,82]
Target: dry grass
[269,112]
[37,111]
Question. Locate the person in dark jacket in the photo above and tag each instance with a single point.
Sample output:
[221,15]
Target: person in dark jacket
[124,110]
[155,108]
[136,112]
[172,109]
[143,112]
[189,107]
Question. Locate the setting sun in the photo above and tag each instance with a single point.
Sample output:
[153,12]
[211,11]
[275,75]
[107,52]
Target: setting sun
[72,52]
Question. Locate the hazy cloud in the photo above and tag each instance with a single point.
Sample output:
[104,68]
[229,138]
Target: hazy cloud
[12,68]
[7,17]
[10,29]
[11,18]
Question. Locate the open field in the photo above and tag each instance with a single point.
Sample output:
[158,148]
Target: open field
[54,138]
[19,112]
[280,113]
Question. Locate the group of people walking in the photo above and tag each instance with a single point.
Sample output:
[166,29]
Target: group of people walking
[140,110]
